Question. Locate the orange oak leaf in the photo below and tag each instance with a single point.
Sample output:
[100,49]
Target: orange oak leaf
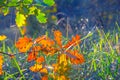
[58,38]
[33,53]
[24,44]
[61,77]
[45,41]
[49,50]
[37,40]
[40,59]
[75,41]
[36,67]
[44,70]
[1,63]
[79,57]
[55,67]
[31,56]
[44,78]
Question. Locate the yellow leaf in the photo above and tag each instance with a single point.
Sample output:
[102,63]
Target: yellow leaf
[2,37]
[20,19]
[63,59]
[32,10]
[36,67]
[44,70]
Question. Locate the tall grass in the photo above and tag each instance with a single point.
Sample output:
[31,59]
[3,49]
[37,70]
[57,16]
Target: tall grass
[100,49]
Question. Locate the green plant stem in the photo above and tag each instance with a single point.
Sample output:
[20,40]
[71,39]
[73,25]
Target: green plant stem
[88,35]
[3,46]
[17,65]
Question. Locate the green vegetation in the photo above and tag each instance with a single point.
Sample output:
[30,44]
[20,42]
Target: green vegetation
[25,8]
[100,49]
[56,57]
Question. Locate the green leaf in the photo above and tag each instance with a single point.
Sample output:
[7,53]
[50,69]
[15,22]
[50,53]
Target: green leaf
[32,10]
[1,2]
[20,19]
[25,10]
[5,11]
[27,1]
[12,3]
[118,59]
[41,18]
[49,2]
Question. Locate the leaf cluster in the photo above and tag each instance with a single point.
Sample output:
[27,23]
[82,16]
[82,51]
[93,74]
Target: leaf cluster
[25,8]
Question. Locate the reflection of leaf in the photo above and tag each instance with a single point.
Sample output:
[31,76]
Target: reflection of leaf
[49,2]
[41,18]
[20,19]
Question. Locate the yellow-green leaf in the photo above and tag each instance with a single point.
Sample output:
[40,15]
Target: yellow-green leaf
[32,10]
[20,19]
[5,11]
[41,18]
[27,1]
[49,2]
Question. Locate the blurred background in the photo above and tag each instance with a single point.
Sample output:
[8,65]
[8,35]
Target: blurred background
[74,16]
